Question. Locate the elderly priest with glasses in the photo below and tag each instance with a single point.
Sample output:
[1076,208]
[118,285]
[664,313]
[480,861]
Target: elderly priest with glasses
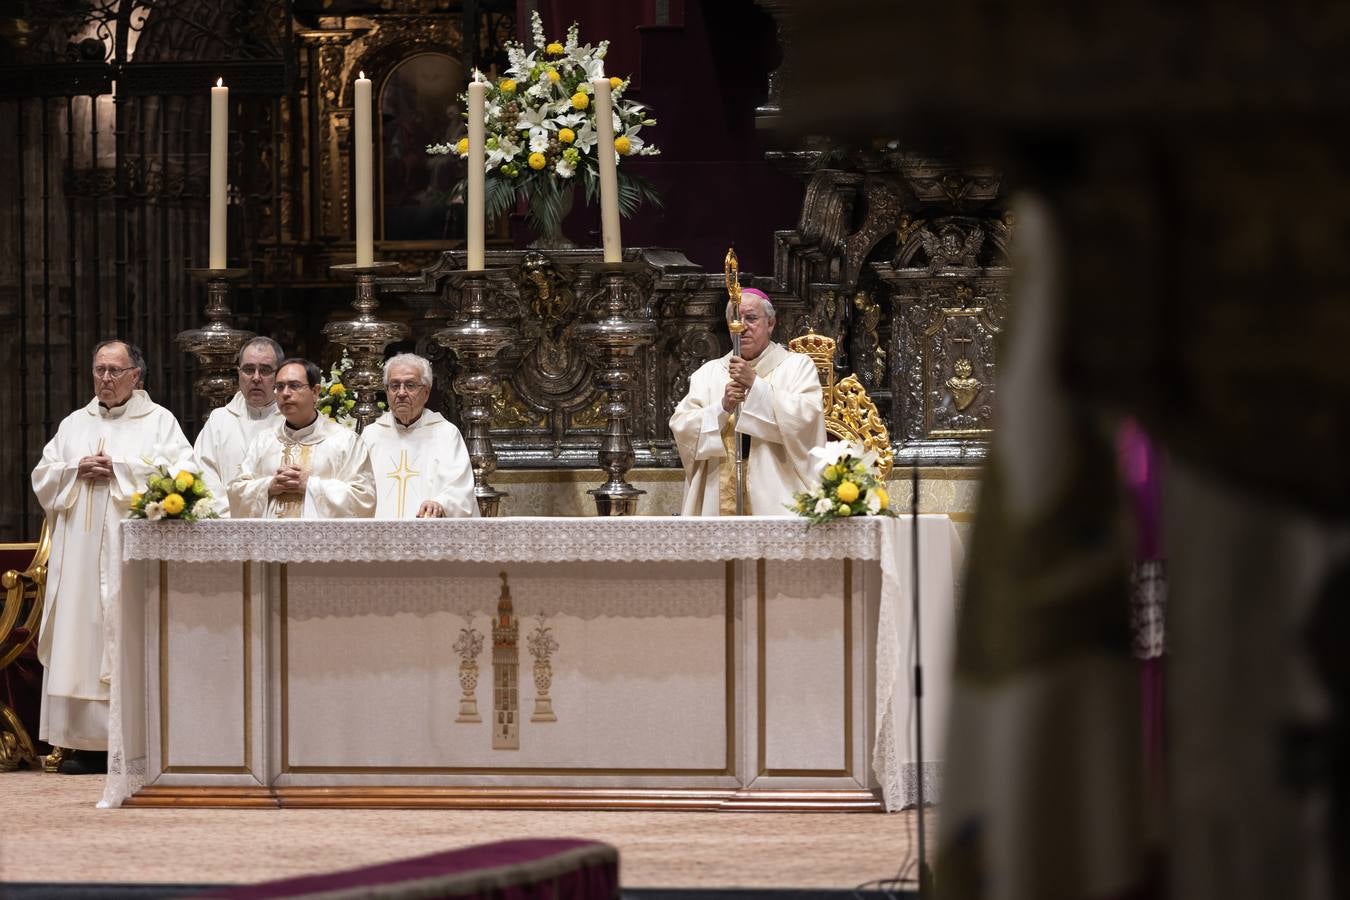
[85,482]
[230,430]
[422,467]
[308,466]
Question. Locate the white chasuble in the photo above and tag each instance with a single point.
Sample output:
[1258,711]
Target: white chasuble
[426,460]
[223,441]
[784,416]
[340,483]
[84,575]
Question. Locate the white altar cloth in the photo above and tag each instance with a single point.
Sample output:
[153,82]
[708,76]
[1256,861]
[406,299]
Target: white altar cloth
[600,539]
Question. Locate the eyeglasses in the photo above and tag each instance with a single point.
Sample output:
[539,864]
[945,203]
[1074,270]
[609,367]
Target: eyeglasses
[111,372]
[292,386]
[261,371]
[400,387]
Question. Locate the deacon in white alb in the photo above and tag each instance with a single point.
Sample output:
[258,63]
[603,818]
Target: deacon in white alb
[85,481]
[231,428]
[309,467]
[782,416]
[421,465]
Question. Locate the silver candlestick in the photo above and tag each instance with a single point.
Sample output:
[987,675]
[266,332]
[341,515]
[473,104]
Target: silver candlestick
[611,341]
[364,338]
[476,339]
[216,345]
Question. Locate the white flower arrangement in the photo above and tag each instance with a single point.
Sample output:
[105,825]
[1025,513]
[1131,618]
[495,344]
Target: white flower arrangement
[174,489]
[541,132]
[335,400]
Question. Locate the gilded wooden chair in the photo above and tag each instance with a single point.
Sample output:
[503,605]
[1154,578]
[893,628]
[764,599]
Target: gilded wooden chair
[20,673]
[850,415]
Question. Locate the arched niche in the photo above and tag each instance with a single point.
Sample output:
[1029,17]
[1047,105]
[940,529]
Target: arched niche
[419,104]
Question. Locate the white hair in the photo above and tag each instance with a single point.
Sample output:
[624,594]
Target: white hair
[764,301]
[412,361]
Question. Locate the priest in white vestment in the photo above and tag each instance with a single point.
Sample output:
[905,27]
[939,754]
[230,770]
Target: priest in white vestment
[88,474]
[422,468]
[782,414]
[231,428]
[308,467]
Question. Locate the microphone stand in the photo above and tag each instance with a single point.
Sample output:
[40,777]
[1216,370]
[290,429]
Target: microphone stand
[925,875]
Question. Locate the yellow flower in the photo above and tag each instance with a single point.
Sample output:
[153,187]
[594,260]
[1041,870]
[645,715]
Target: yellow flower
[622,145]
[847,491]
[554,49]
[831,473]
[538,161]
[136,499]
[183,480]
[337,389]
[462,146]
[580,100]
[553,75]
[173,504]
[508,86]
[880,493]
[566,135]
[614,82]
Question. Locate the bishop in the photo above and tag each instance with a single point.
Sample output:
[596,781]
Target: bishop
[781,417]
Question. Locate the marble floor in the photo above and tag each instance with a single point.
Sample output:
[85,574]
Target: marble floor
[51,831]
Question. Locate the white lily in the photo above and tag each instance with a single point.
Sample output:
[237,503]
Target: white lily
[586,138]
[504,151]
[831,453]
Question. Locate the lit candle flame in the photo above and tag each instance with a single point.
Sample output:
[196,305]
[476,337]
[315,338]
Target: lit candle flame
[220,82]
[361,74]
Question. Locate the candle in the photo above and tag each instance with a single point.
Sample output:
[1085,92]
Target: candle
[220,137]
[365,251]
[477,100]
[609,171]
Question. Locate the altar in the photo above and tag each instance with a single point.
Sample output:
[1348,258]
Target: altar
[643,662]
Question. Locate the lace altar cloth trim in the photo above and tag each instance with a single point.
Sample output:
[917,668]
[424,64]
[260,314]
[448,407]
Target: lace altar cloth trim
[523,539]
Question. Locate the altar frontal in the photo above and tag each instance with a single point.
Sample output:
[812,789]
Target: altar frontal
[647,663]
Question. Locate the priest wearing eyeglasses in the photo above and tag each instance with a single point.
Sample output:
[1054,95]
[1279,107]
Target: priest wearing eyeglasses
[89,471]
[231,428]
[422,467]
[308,466]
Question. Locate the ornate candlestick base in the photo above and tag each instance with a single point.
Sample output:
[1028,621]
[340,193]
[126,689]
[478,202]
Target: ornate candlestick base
[476,340]
[611,342]
[216,344]
[364,338]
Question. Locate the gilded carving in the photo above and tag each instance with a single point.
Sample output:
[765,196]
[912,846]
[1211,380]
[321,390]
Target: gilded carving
[872,353]
[964,388]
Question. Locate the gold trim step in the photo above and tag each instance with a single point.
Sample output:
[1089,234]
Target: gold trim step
[369,797]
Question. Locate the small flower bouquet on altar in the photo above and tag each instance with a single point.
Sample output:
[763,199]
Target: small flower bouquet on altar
[335,400]
[174,490]
[850,485]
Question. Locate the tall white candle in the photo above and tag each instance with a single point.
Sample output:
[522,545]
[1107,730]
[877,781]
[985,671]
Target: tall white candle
[220,138]
[365,230]
[609,171]
[477,102]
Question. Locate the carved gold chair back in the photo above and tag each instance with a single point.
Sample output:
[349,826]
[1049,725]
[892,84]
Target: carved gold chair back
[850,414]
[19,620]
